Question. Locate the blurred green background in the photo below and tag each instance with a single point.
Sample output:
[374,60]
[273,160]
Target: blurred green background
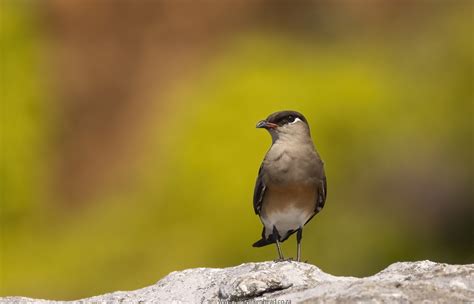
[129,147]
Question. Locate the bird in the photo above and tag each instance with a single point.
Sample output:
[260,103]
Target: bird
[291,186]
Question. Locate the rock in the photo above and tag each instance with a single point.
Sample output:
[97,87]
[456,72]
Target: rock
[405,282]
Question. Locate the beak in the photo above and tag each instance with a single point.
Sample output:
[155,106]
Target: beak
[265,124]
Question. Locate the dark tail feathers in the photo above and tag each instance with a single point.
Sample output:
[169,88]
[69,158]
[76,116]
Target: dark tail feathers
[262,242]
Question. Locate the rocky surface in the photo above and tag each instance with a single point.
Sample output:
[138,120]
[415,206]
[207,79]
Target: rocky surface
[407,282]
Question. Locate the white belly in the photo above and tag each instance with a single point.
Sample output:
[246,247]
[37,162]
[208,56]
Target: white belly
[291,218]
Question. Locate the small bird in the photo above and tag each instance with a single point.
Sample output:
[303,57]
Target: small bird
[291,183]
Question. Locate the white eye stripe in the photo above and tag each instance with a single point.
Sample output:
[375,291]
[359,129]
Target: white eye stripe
[295,121]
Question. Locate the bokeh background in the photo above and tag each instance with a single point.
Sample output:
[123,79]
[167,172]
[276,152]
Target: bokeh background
[129,147]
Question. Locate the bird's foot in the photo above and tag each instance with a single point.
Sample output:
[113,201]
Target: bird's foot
[283,260]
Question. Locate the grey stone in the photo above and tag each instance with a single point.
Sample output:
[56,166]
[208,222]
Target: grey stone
[285,282]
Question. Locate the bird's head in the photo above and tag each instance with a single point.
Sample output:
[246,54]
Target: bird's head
[289,124]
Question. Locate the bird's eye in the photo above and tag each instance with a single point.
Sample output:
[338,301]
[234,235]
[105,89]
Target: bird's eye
[291,118]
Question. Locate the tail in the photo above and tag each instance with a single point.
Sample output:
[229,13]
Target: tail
[262,242]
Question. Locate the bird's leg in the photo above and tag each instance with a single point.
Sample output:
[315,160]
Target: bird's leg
[280,253]
[276,237]
[299,236]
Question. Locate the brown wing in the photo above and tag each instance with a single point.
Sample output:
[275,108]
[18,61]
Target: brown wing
[322,193]
[258,192]
[321,198]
